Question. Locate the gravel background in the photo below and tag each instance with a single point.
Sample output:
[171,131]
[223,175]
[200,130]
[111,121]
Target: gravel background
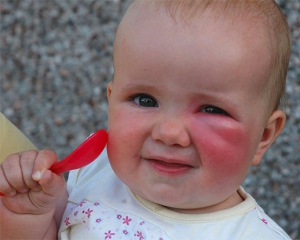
[56,59]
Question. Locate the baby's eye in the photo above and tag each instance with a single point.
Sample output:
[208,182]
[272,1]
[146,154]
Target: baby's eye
[145,100]
[214,110]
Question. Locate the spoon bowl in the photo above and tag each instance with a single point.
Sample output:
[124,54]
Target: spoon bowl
[84,154]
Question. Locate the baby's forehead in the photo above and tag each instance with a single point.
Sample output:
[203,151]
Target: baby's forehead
[255,19]
[248,17]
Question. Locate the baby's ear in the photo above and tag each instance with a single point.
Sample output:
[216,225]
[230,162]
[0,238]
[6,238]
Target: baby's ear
[273,128]
[109,89]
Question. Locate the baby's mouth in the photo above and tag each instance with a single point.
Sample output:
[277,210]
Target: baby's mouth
[171,164]
[169,168]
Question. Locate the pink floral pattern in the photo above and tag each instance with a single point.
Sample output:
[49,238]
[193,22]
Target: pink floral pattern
[264,221]
[139,235]
[126,220]
[88,212]
[109,234]
[111,223]
[67,221]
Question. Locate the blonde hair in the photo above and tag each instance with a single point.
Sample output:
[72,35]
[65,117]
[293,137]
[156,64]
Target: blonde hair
[266,9]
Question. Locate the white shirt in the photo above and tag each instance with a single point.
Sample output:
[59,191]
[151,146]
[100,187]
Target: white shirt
[100,206]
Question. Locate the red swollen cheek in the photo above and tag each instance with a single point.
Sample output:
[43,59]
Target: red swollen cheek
[223,145]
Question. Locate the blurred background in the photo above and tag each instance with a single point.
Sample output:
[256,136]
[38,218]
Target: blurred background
[56,59]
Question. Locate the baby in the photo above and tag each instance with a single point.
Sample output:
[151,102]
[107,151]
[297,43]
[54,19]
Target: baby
[192,106]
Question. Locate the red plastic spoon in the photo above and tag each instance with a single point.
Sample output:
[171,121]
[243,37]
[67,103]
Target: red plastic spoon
[84,154]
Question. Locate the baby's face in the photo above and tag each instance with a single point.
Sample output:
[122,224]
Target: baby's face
[186,109]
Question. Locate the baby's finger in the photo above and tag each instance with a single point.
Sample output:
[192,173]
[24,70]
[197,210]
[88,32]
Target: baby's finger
[12,171]
[27,162]
[5,187]
[44,161]
[52,183]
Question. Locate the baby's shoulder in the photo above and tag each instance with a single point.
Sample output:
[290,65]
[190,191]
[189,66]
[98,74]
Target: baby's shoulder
[258,225]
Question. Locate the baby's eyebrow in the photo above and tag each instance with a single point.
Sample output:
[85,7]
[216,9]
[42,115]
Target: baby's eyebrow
[138,87]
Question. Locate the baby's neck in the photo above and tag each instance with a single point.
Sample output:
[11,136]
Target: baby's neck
[232,201]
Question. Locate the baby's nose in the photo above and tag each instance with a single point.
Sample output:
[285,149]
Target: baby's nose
[171,132]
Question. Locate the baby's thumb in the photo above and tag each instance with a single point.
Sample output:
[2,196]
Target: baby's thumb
[51,183]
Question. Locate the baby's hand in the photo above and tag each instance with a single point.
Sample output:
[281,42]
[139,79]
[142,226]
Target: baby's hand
[28,184]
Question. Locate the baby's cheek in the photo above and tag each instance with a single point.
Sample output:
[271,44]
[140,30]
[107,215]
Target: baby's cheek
[223,146]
